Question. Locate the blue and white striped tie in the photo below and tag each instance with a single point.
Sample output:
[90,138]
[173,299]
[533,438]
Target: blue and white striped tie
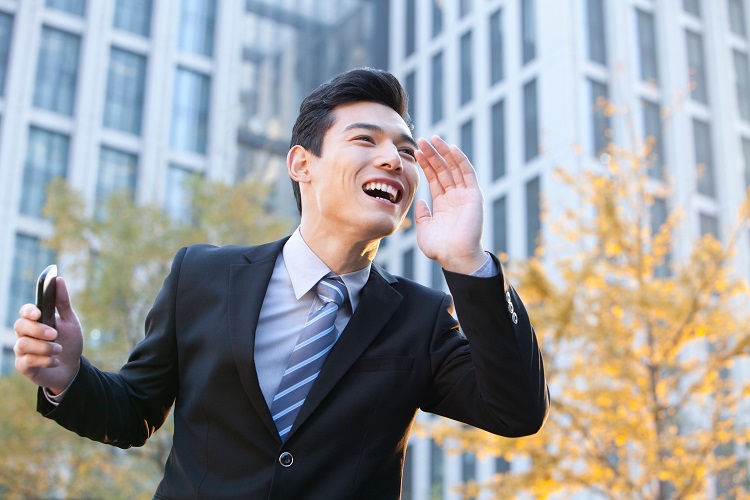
[316,339]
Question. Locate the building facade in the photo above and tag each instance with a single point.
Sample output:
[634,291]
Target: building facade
[140,95]
[519,86]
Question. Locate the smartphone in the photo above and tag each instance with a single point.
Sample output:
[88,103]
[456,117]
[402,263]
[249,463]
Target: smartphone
[46,292]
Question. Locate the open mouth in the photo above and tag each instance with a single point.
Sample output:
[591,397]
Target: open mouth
[382,191]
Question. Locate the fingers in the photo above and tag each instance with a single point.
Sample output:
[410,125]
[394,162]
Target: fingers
[28,326]
[29,346]
[34,347]
[445,167]
[421,212]
[30,311]
[62,301]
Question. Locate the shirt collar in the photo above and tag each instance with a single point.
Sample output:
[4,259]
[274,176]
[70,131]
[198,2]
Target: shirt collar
[306,269]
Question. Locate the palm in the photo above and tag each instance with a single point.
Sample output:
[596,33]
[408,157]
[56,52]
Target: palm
[452,233]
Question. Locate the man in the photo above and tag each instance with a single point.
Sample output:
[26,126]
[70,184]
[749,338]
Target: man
[258,412]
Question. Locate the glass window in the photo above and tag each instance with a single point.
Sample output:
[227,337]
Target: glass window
[133,16]
[410,24]
[468,467]
[407,264]
[742,83]
[178,198]
[498,139]
[528,31]
[467,139]
[46,159]
[29,259]
[117,172]
[533,216]
[658,219]
[703,158]
[256,162]
[466,68]
[6,29]
[77,7]
[124,101]
[410,86]
[652,130]
[496,47]
[697,67]
[709,224]
[197,26]
[647,46]
[436,471]
[746,160]
[437,87]
[464,7]
[499,226]
[596,33]
[56,71]
[189,130]
[737,17]
[437,16]
[530,121]
[692,7]
[600,121]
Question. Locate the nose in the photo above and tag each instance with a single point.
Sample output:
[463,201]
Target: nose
[391,159]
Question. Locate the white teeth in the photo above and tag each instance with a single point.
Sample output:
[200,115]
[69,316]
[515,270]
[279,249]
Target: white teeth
[379,186]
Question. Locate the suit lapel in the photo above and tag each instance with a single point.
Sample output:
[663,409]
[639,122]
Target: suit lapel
[378,303]
[247,289]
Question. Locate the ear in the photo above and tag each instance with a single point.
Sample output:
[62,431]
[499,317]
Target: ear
[297,163]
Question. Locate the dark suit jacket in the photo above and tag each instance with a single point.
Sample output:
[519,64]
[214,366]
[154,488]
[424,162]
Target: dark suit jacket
[402,350]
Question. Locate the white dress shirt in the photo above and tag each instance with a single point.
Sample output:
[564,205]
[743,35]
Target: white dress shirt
[289,298]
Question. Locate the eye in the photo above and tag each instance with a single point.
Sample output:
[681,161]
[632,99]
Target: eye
[408,152]
[365,138]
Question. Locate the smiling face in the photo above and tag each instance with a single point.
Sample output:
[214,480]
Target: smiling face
[364,181]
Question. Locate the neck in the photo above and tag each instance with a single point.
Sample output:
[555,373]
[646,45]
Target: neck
[340,252]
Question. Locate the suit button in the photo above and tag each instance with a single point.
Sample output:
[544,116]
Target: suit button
[514,317]
[286,459]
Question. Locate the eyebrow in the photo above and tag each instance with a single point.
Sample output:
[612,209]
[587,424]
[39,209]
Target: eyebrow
[377,128]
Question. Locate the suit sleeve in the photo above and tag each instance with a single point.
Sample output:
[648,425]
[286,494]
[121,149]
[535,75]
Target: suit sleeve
[495,381]
[123,409]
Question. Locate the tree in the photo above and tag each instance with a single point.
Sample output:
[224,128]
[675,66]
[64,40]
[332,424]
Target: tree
[39,460]
[641,352]
[114,261]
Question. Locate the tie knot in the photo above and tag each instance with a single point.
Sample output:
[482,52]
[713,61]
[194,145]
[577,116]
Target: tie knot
[332,289]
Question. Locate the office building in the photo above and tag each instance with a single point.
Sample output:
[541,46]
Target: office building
[518,85]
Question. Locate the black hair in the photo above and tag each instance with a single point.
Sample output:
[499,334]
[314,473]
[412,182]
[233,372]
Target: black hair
[357,85]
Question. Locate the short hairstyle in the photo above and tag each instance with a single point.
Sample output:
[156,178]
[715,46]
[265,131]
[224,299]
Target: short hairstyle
[357,85]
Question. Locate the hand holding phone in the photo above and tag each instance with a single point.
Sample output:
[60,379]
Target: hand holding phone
[46,293]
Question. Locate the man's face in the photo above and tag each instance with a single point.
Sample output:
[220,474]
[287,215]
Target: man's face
[365,178]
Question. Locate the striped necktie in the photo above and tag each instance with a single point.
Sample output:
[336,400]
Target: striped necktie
[316,339]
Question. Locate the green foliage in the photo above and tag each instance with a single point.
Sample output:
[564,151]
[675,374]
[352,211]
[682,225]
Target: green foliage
[114,264]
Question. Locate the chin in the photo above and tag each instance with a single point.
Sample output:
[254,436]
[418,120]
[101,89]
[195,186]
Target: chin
[380,227]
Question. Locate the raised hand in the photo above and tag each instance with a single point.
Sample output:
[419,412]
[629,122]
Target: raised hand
[47,356]
[452,233]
